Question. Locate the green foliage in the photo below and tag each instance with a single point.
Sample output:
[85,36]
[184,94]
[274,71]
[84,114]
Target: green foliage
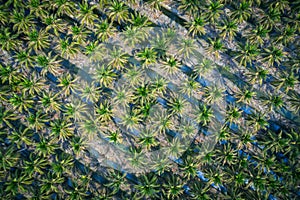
[51,120]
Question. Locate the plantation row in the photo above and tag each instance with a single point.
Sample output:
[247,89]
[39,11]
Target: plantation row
[59,86]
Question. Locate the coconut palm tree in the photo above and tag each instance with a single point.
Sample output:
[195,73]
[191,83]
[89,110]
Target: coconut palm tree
[55,24]
[177,105]
[176,147]
[61,129]
[62,164]
[292,63]
[287,35]
[132,36]
[282,190]
[170,35]
[187,47]
[200,190]
[88,92]
[10,158]
[226,155]
[294,102]
[190,6]
[22,22]
[35,165]
[17,182]
[118,11]
[63,7]
[271,18]
[244,139]
[36,121]
[21,102]
[21,137]
[155,4]
[190,87]
[134,75]
[294,20]
[5,90]
[123,96]
[273,55]
[173,187]
[76,191]
[46,146]
[224,134]
[215,47]
[49,101]
[25,58]
[207,155]
[6,116]
[8,40]
[104,112]
[147,186]
[136,158]
[138,20]
[187,129]
[259,75]
[258,35]
[67,84]
[147,56]
[75,110]
[286,81]
[105,75]
[233,114]
[86,14]
[79,34]
[49,63]
[38,40]
[204,114]
[160,44]
[189,167]
[273,101]
[114,137]
[117,58]
[50,184]
[163,121]
[161,164]
[14,3]
[143,94]
[247,53]
[258,180]
[148,139]
[131,120]
[89,127]
[228,28]
[215,175]
[104,30]
[213,94]
[242,11]
[237,180]
[37,8]
[202,67]
[277,142]
[116,180]
[258,120]
[159,86]
[266,161]
[196,27]
[67,48]
[145,109]
[281,5]
[171,65]
[214,10]
[245,96]
[3,15]
[91,47]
